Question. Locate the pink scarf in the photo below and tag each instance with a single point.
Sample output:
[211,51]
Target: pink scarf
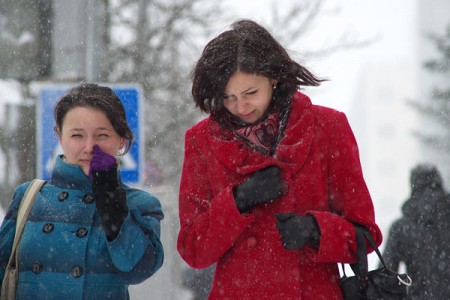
[264,135]
[261,136]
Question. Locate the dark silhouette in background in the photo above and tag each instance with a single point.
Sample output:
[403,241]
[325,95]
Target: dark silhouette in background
[198,281]
[420,239]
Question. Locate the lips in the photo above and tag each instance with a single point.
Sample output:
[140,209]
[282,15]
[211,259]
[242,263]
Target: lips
[248,117]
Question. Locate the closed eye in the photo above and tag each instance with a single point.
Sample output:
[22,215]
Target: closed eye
[228,98]
[102,135]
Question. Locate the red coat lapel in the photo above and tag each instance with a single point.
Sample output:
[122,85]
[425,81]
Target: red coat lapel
[291,152]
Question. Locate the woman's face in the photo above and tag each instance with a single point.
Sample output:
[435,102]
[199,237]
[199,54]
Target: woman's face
[247,96]
[84,127]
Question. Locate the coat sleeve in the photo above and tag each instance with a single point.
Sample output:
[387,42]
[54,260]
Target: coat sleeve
[8,228]
[209,223]
[349,198]
[137,251]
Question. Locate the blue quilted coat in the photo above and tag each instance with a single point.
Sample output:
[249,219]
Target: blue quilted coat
[64,253]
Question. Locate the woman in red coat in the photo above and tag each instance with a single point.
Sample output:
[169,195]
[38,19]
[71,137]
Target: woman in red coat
[271,184]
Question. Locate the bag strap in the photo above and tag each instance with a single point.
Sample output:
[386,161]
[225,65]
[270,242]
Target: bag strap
[372,243]
[22,215]
[361,267]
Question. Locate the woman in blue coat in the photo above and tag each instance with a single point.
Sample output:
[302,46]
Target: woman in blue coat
[88,236]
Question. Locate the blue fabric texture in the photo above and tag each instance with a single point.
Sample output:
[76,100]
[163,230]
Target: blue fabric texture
[64,253]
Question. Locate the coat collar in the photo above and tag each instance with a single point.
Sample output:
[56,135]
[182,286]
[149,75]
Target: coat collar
[291,151]
[69,176]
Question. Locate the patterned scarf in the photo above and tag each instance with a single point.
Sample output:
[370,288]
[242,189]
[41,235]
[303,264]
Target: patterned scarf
[263,135]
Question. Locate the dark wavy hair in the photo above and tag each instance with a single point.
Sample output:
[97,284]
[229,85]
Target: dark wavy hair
[249,48]
[98,97]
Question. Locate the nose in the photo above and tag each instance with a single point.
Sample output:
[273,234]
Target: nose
[242,107]
[89,145]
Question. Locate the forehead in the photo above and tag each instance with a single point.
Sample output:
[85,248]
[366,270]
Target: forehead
[88,117]
[243,80]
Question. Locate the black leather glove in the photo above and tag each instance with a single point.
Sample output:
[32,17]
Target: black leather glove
[110,200]
[261,187]
[297,230]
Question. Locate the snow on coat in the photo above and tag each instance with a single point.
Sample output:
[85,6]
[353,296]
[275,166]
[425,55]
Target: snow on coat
[320,163]
[64,253]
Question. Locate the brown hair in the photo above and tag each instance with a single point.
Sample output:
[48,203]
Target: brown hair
[250,48]
[99,97]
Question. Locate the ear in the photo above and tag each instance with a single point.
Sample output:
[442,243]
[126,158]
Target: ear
[58,134]
[274,83]
[122,142]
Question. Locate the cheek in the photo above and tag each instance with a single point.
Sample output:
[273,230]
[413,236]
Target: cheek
[112,148]
[264,104]
[70,150]
[228,106]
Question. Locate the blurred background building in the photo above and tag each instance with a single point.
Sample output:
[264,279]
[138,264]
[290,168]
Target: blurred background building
[385,121]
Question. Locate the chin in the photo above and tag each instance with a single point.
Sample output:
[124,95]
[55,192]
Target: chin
[85,170]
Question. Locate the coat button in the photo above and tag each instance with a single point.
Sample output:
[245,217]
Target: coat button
[63,196]
[88,198]
[251,242]
[81,232]
[76,271]
[37,267]
[47,228]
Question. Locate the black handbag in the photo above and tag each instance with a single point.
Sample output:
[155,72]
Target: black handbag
[379,284]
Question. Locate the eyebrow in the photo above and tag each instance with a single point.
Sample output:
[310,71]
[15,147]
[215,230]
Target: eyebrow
[250,88]
[97,129]
[105,128]
[244,91]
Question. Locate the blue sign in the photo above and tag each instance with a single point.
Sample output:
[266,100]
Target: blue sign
[48,146]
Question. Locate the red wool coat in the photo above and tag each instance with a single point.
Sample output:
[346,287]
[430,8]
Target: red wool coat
[320,163]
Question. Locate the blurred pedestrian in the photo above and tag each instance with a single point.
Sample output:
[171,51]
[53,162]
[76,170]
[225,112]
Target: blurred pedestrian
[271,184]
[420,239]
[198,281]
[88,236]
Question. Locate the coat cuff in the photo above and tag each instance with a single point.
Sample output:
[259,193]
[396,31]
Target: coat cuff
[123,256]
[337,237]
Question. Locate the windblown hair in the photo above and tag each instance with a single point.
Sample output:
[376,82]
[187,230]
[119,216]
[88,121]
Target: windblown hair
[99,97]
[251,49]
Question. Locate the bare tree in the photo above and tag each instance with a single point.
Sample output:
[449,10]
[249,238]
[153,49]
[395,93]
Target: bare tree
[25,56]
[437,109]
[301,19]
[162,39]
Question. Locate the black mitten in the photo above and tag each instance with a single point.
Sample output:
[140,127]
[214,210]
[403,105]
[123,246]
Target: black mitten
[261,187]
[110,200]
[297,230]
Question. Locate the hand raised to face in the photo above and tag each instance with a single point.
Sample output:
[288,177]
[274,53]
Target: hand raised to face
[101,161]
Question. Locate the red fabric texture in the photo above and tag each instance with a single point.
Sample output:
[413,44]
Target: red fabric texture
[320,163]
